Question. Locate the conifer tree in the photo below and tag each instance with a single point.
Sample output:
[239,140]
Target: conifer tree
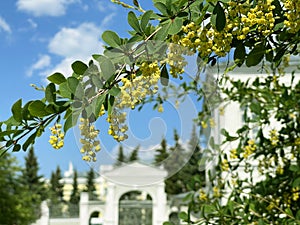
[16,205]
[56,193]
[90,184]
[134,155]
[75,197]
[32,179]
[162,153]
[121,157]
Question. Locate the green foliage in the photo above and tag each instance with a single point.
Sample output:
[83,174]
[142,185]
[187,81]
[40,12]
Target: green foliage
[75,197]
[262,34]
[18,204]
[90,185]
[56,194]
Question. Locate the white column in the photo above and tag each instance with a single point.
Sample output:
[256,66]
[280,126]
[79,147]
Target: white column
[110,208]
[84,209]
[44,220]
[159,208]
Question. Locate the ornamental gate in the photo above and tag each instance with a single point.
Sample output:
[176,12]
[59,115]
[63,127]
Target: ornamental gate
[134,209]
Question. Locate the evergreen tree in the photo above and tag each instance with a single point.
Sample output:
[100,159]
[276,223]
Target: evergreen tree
[121,157]
[134,154]
[90,184]
[16,206]
[56,193]
[75,197]
[162,153]
[32,179]
[194,176]
[176,160]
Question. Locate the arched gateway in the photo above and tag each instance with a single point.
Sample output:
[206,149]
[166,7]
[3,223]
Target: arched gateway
[126,185]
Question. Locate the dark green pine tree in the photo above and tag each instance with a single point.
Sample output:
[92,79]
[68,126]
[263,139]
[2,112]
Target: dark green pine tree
[134,156]
[121,157]
[75,197]
[194,176]
[176,160]
[32,179]
[56,193]
[162,153]
[16,206]
[90,185]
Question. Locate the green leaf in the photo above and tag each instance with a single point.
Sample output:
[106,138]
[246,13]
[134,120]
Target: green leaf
[255,56]
[64,90]
[162,8]
[114,91]
[72,84]
[289,212]
[164,76]
[184,216]
[107,67]
[134,22]
[79,67]
[239,54]
[145,19]
[175,26]
[294,168]
[162,34]
[16,110]
[16,148]
[218,18]
[29,141]
[71,120]
[56,78]
[111,38]
[50,93]
[99,103]
[136,3]
[37,108]
[296,183]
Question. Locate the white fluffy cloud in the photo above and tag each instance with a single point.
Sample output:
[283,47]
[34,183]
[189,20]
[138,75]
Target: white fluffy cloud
[4,26]
[43,62]
[44,7]
[72,44]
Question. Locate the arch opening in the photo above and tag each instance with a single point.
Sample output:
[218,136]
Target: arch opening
[96,218]
[135,208]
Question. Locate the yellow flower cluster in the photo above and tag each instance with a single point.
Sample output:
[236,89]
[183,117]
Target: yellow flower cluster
[57,137]
[292,15]
[206,40]
[136,88]
[249,148]
[233,154]
[160,108]
[295,195]
[202,195]
[274,137]
[224,165]
[243,18]
[117,127]
[175,58]
[216,192]
[89,141]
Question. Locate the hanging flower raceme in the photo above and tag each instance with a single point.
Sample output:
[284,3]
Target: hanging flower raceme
[57,137]
[89,141]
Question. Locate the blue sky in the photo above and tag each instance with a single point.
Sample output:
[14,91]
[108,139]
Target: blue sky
[39,37]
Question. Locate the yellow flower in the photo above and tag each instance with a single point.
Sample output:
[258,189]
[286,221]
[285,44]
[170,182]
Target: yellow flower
[160,108]
[57,137]
[202,195]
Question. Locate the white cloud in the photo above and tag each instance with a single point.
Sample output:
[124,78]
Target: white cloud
[44,7]
[32,23]
[104,6]
[76,42]
[72,44]
[43,62]
[4,25]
